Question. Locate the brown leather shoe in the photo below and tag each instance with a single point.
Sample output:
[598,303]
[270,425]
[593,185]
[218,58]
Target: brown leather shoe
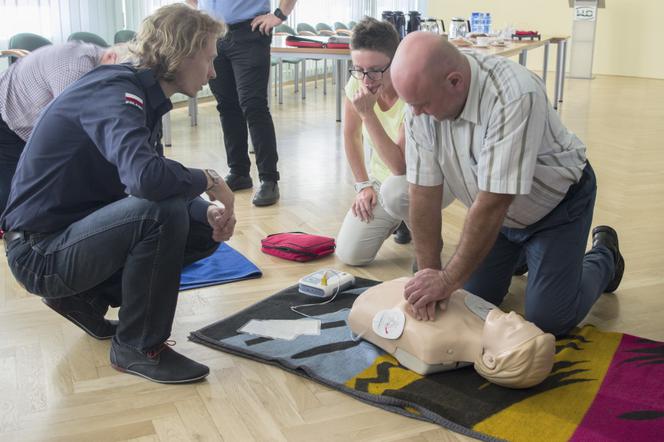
[607,237]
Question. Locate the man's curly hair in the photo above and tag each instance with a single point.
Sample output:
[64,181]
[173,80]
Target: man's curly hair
[170,35]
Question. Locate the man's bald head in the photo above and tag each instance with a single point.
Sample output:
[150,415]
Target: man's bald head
[425,63]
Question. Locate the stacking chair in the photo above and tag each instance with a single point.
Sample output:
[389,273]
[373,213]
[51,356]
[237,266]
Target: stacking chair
[305,29]
[294,62]
[26,41]
[324,29]
[88,37]
[123,36]
[341,29]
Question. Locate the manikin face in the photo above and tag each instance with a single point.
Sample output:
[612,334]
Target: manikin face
[505,331]
[372,63]
[197,69]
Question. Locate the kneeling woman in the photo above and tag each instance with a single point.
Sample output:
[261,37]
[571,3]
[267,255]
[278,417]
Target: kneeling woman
[373,126]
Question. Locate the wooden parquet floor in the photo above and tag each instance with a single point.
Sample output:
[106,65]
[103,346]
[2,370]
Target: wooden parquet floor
[56,383]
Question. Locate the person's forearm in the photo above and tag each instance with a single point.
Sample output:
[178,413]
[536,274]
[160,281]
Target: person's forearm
[287,6]
[353,142]
[388,150]
[425,224]
[353,148]
[480,230]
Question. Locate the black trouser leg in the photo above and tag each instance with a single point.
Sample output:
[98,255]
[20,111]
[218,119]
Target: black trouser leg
[243,73]
[11,146]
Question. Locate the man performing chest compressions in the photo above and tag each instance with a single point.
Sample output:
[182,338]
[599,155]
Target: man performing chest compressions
[504,348]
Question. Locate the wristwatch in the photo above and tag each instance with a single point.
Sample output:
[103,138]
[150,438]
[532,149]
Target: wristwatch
[362,185]
[214,177]
[279,13]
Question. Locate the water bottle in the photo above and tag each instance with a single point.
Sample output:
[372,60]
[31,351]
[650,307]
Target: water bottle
[487,23]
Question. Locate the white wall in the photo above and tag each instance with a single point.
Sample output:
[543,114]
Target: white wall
[628,40]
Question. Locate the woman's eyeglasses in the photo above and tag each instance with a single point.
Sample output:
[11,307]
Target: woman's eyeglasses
[373,75]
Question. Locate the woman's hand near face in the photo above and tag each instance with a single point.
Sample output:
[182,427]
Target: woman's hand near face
[364,100]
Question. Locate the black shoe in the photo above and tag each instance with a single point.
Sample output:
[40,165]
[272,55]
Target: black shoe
[163,365]
[84,315]
[402,234]
[238,182]
[521,270]
[267,195]
[607,237]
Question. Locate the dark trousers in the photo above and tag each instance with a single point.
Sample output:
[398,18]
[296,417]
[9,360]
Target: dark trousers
[11,146]
[563,281]
[243,73]
[129,253]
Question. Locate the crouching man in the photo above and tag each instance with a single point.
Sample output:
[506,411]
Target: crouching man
[98,217]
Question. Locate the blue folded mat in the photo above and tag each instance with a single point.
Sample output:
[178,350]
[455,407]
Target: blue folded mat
[223,266]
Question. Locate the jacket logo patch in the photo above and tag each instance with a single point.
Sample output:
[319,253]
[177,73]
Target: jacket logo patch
[134,100]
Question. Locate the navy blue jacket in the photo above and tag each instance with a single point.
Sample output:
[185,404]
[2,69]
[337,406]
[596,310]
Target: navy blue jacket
[98,142]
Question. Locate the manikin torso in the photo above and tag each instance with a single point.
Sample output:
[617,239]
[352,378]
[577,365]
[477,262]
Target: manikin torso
[452,340]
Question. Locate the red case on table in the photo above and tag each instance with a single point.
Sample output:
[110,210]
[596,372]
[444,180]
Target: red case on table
[304,42]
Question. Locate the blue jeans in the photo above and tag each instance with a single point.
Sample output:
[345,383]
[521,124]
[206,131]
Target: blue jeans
[129,253]
[563,281]
[11,146]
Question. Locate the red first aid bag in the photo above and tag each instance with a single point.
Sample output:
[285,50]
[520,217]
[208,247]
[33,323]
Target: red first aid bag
[297,246]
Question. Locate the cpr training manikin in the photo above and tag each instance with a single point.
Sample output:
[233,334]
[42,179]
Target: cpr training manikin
[505,348]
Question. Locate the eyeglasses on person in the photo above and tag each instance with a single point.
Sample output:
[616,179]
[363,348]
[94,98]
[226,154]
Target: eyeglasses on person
[373,75]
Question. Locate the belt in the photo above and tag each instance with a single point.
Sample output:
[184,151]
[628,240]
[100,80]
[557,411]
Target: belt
[243,24]
[10,237]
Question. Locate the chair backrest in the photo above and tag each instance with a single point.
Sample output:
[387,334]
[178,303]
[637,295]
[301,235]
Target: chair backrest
[284,29]
[323,27]
[352,24]
[306,27]
[88,37]
[124,36]
[26,41]
[339,25]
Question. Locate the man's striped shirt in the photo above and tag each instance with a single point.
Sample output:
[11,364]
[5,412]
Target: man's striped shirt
[507,140]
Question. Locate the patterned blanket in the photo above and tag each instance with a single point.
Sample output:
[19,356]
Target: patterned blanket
[604,386]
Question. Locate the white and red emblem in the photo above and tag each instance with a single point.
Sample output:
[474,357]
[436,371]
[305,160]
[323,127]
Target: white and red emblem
[134,100]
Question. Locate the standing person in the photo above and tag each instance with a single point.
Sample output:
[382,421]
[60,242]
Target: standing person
[30,84]
[484,123]
[243,73]
[98,217]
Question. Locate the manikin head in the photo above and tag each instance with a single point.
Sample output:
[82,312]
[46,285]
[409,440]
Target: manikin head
[431,75]
[515,352]
[373,45]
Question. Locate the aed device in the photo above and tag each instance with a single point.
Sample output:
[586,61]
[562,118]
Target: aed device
[325,283]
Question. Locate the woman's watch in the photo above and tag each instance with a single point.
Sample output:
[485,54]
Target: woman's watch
[279,13]
[214,177]
[362,185]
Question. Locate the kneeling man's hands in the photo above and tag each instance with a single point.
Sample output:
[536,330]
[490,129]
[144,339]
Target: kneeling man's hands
[423,291]
[222,220]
